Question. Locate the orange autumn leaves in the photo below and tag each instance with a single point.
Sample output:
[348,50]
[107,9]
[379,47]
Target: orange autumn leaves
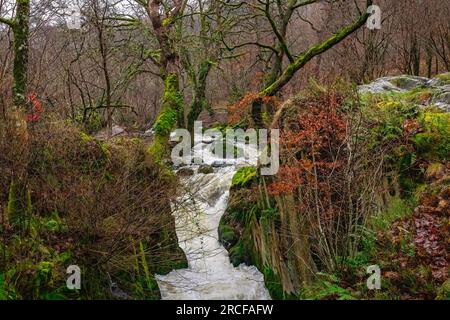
[311,145]
[242,109]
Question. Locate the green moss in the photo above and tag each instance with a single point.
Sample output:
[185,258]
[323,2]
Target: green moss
[227,235]
[404,82]
[170,115]
[19,206]
[53,223]
[157,149]
[20,29]
[396,210]
[243,176]
[165,122]
[237,254]
[444,78]
[167,21]
[172,106]
[444,291]
[434,141]
[418,95]
[326,287]
[85,137]
[273,284]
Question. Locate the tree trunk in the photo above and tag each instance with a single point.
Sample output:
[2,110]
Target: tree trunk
[171,114]
[21,33]
[199,101]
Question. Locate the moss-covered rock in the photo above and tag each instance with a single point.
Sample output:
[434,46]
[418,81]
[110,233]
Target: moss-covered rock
[237,254]
[185,172]
[407,82]
[227,236]
[434,141]
[442,79]
[205,169]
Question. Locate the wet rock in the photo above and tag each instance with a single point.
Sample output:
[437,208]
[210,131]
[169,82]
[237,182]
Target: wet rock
[205,169]
[119,293]
[394,84]
[442,101]
[440,85]
[378,86]
[441,80]
[185,172]
[409,82]
[220,164]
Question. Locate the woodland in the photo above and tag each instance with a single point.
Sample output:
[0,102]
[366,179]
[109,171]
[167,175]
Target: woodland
[363,112]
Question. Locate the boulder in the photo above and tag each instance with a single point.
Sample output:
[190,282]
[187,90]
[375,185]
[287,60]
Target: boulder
[406,82]
[220,164]
[394,84]
[205,169]
[185,172]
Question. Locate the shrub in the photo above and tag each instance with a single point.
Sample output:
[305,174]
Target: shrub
[243,176]
[93,205]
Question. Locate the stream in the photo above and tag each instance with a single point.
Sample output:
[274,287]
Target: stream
[197,212]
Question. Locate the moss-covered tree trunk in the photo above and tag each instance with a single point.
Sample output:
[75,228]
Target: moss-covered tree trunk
[21,35]
[19,202]
[312,52]
[19,206]
[172,112]
[199,101]
[278,77]
[21,30]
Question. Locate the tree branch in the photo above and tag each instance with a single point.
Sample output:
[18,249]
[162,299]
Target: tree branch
[8,22]
[315,50]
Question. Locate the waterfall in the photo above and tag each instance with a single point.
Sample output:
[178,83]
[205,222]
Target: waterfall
[197,212]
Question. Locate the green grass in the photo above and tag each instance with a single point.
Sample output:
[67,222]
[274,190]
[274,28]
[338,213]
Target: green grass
[397,210]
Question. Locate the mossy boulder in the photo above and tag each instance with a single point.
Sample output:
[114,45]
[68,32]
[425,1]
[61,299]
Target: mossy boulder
[407,82]
[442,79]
[185,172]
[434,141]
[205,169]
[237,254]
[227,236]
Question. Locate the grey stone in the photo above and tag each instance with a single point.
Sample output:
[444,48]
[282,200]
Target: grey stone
[220,164]
[205,169]
[185,172]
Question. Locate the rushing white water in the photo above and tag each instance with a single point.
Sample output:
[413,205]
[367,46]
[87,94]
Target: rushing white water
[210,275]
